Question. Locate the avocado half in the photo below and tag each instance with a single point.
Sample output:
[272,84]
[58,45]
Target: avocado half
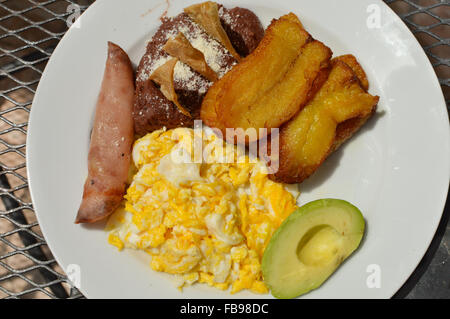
[310,245]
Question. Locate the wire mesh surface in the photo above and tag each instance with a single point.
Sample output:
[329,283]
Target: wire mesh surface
[29,32]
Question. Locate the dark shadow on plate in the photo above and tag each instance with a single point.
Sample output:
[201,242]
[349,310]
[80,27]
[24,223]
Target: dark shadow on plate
[324,172]
[100,225]
[428,257]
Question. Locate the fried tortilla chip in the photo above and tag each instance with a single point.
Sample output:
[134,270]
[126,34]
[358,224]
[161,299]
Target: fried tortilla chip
[180,47]
[163,76]
[206,14]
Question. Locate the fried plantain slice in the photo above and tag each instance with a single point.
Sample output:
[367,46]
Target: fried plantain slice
[208,112]
[260,71]
[351,61]
[336,112]
[289,95]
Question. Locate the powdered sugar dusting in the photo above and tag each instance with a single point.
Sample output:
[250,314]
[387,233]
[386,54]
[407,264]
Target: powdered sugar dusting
[210,49]
[226,16]
[213,51]
[158,60]
[184,74]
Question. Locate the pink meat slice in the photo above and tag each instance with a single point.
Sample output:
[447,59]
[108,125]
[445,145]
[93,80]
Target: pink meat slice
[111,140]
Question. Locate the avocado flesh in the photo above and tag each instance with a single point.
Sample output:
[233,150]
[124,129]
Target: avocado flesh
[310,245]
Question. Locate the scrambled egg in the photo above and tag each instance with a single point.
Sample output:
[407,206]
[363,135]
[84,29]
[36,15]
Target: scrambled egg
[204,221]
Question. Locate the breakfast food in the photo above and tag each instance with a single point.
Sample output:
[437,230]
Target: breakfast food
[206,14]
[163,76]
[310,245]
[351,61]
[272,84]
[180,47]
[152,109]
[339,109]
[289,83]
[111,140]
[214,216]
[203,222]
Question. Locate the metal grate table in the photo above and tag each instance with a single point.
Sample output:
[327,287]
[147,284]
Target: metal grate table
[29,32]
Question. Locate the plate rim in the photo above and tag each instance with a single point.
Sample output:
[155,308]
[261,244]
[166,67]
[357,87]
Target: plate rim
[446,195]
[97,3]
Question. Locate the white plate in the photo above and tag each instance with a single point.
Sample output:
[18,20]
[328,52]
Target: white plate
[396,169]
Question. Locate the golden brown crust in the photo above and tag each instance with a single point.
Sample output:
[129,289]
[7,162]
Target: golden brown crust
[351,61]
[291,169]
[261,70]
[272,84]
[291,93]
[208,112]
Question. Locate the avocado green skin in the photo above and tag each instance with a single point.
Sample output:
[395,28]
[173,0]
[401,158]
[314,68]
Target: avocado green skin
[299,214]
